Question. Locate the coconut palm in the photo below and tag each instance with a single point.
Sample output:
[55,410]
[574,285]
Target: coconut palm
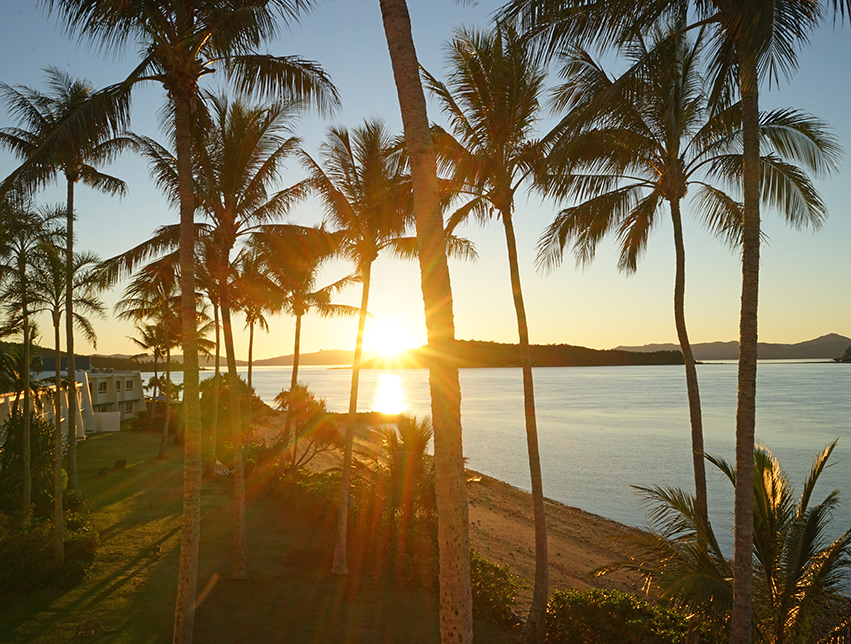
[66,132]
[799,570]
[647,145]
[492,99]
[456,602]
[292,259]
[153,295]
[48,289]
[256,296]
[366,194]
[749,40]
[182,42]
[25,230]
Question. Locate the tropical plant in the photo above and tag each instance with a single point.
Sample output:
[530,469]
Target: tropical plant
[492,100]
[799,571]
[310,421]
[182,42]
[366,194]
[749,40]
[24,231]
[66,132]
[629,145]
[49,296]
[455,609]
[292,260]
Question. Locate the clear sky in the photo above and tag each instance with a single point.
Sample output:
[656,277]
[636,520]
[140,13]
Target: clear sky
[805,276]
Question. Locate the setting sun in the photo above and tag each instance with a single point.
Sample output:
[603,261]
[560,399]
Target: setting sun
[388,337]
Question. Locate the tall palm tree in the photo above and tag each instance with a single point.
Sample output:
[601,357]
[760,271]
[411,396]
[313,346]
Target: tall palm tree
[25,230]
[366,194]
[749,40]
[456,601]
[48,288]
[292,259]
[622,159]
[181,42]
[66,132]
[492,100]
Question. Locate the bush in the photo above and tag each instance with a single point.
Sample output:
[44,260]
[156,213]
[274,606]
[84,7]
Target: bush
[26,552]
[12,461]
[494,590]
[610,617]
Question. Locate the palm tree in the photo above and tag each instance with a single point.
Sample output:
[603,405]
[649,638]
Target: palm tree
[622,159]
[24,231]
[799,571]
[255,295]
[181,42]
[153,295]
[66,131]
[749,40]
[492,101]
[48,289]
[365,192]
[456,600]
[292,259]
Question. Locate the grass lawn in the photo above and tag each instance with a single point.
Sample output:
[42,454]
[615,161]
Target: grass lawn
[291,596]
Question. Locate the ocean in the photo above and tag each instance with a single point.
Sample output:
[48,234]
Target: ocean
[606,429]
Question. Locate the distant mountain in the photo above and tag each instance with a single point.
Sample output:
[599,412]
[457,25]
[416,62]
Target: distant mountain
[325,357]
[827,347]
[476,354]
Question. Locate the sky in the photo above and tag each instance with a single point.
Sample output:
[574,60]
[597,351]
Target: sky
[805,276]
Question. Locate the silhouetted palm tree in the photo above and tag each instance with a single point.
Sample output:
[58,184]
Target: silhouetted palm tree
[48,289]
[182,42]
[66,132]
[492,101]
[292,260]
[366,194]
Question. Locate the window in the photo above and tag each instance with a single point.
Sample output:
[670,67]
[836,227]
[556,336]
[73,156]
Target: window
[102,387]
[129,385]
[117,385]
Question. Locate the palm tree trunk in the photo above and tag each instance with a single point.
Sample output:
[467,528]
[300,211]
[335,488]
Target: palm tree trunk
[250,361]
[214,412]
[167,419]
[240,554]
[69,337]
[340,565]
[746,407]
[533,630]
[157,390]
[293,382]
[28,485]
[691,370]
[456,612]
[58,523]
[190,529]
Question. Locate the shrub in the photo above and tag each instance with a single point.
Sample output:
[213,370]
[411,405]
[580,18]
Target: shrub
[494,590]
[610,617]
[26,552]
[12,461]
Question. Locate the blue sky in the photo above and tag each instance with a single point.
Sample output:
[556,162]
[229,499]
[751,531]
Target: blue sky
[805,276]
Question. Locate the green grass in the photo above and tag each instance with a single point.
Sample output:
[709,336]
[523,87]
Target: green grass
[291,595]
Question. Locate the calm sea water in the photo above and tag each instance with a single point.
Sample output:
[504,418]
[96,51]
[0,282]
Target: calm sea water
[605,429]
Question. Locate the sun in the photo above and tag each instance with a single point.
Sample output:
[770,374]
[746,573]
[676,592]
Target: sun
[388,337]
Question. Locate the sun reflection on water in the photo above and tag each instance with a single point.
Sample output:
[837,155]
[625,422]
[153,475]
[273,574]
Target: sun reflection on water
[389,395]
